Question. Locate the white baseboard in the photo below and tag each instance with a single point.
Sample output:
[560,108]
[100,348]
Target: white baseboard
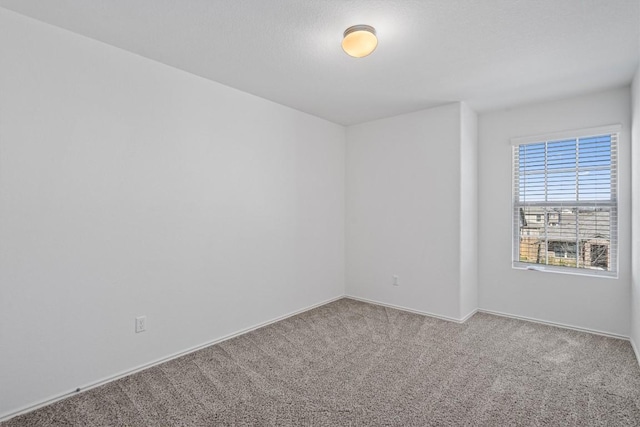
[468,316]
[98,383]
[411,310]
[556,324]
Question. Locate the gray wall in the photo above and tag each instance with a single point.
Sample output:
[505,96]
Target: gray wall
[404,177]
[598,304]
[131,188]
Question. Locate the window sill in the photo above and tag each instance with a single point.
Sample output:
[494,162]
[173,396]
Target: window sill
[538,268]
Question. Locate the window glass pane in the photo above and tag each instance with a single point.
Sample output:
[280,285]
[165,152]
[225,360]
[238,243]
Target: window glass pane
[532,231]
[567,236]
[561,186]
[594,185]
[532,187]
[595,152]
[561,154]
[532,158]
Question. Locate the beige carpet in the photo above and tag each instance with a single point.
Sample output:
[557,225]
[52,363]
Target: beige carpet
[351,363]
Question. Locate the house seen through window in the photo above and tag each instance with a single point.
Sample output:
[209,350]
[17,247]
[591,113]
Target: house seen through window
[565,203]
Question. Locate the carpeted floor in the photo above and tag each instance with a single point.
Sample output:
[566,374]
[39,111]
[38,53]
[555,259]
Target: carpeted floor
[357,364]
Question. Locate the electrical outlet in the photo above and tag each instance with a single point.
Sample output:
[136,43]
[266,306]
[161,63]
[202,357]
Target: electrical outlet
[396,280]
[141,323]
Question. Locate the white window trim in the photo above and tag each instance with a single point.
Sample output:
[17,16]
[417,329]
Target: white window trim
[554,136]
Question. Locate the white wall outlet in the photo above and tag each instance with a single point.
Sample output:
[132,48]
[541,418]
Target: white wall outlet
[396,280]
[141,324]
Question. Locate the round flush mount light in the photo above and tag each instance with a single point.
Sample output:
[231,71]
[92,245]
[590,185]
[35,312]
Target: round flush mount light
[359,41]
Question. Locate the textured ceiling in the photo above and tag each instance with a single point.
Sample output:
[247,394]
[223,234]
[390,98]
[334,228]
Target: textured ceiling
[491,53]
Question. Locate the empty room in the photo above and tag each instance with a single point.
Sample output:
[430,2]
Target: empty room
[319,212]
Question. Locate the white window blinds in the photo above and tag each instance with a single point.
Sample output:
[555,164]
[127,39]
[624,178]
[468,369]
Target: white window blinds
[565,209]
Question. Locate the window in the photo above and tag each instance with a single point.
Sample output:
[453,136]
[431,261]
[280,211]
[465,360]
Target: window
[565,205]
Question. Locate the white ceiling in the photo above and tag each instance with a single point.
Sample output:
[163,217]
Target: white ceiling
[490,53]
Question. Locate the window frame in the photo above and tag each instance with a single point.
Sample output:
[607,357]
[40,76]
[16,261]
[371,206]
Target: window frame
[612,203]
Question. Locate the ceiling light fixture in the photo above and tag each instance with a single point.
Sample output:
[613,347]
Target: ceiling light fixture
[359,40]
